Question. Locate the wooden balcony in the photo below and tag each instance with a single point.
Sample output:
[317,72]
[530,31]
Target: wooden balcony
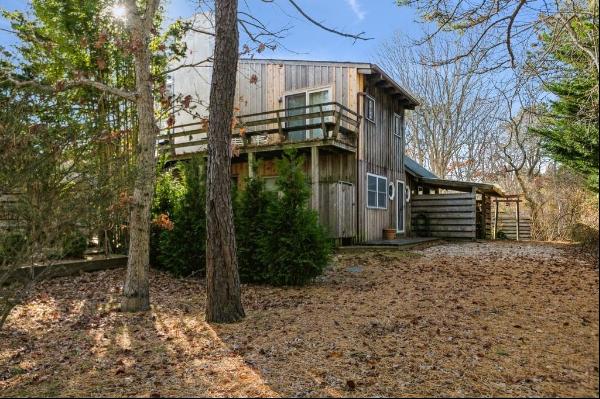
[327,124]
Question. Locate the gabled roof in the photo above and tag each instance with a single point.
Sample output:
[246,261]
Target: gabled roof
[415,169]
[364,68]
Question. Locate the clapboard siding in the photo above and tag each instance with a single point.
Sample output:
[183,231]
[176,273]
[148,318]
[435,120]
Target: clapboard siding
[449,215]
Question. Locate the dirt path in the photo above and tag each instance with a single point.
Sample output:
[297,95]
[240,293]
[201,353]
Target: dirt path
[478,319]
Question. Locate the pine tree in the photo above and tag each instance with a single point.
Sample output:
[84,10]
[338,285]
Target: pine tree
[297,248]
[182,248]
[570,124]
[251,221]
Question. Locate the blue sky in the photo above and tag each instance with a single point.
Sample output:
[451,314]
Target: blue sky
[377,18]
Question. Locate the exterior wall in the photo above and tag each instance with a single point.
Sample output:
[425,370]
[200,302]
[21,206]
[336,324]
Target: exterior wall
[444,215]
[380,153]
[262,86]
[275,79]
[413,187]
[337,190]
[194,81]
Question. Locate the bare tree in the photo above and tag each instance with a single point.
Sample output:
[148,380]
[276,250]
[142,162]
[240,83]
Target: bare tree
[519,149]
[452,130]
[507,30]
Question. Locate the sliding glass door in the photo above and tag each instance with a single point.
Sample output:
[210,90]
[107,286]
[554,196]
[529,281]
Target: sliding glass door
[293,101]
[308,100]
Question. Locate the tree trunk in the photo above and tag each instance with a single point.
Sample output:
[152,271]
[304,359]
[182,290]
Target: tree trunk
[222,280]
[136,295]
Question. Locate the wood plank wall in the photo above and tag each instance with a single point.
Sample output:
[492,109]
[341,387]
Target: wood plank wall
[337,171]
[507,220]
[449,215]
[381,153]
[484,216]
[276,79]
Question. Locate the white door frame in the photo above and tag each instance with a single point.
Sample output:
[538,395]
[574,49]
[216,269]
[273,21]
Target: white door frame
[401,196]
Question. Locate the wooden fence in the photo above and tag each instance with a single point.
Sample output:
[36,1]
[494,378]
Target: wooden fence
[444,215]
[507,220]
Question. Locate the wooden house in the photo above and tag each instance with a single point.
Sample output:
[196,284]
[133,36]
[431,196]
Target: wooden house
[346,118]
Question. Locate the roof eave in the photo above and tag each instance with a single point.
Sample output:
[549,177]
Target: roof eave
[486,188]
[411,101]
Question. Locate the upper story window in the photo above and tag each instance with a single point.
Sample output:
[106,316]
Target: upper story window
[370,108]
[376,191]
[397,125]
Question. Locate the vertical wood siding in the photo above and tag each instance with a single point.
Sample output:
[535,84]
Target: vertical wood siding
[276,79]
[381,153]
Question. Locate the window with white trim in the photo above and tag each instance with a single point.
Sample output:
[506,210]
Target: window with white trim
[377,194]
[370,108]
[397,125]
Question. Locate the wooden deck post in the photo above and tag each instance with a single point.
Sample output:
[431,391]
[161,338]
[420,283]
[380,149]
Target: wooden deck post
[250,164]
[314,176]
[496,220]
[518,219]
[474,196]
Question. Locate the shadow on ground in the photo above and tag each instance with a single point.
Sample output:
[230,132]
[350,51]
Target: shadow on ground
[473,319]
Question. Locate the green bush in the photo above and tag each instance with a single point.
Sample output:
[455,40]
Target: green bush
[73,244]
[251,224]
[181,248]
[279,238]
[12,245]
[295,248]
[168,192]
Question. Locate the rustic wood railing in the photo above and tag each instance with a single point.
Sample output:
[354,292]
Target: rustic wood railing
[325,121]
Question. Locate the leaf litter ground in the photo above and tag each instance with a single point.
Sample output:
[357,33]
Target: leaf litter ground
[458,319]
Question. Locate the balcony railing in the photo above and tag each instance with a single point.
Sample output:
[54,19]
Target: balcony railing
[328,124]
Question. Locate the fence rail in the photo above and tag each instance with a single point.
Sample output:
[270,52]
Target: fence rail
[325,121]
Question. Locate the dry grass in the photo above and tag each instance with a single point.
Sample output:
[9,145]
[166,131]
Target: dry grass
[472,319]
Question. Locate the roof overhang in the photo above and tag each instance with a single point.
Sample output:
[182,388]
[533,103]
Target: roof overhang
[382,79]
[483,188]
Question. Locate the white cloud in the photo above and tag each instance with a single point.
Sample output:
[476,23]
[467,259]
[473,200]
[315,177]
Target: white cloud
[356,9]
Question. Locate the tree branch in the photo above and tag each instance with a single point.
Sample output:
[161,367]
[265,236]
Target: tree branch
[66,85]
[358,36]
